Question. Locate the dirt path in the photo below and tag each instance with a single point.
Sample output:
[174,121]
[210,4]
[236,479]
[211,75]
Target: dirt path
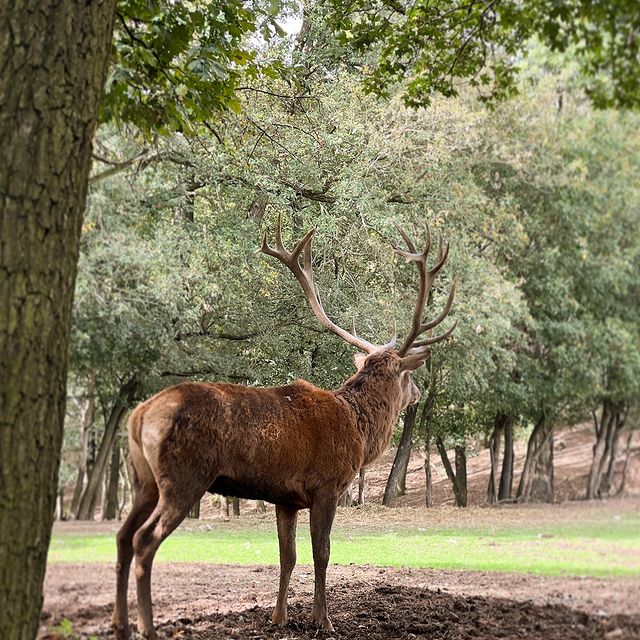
[212,602]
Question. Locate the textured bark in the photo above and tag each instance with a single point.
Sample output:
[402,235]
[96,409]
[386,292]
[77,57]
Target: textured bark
[494,456]
[361,487]
[110,509]
[506,476]
[461,474]
[87,423]
[89,497]
[500,486]
[625,468]
[53,58]
[427,470]
[536,481]
[396,483]
[458,478]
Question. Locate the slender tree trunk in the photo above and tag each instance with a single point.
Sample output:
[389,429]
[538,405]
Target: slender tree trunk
[606,483]
[427,469]
[120,406]
[53,57]
[536,481]
[625,468]
[87,423]
[111,493]
[195,510]
[494,455]
[601,428]
[396,483]
[361,487]
[461,473]
[458,478]
[506,476]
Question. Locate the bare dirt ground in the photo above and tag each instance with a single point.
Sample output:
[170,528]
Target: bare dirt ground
[210,602]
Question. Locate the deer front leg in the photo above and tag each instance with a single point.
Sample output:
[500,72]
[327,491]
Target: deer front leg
[286,518]
[322,514]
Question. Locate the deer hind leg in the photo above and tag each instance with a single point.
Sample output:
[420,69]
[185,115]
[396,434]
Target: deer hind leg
[321,520]
[145,502]
[286,518]
[170,511]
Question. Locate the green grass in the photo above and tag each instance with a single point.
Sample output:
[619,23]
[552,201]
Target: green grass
[590,549]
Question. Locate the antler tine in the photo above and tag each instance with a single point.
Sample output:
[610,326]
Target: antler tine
[427,279]
[444,313]
[419,346]
[304,276]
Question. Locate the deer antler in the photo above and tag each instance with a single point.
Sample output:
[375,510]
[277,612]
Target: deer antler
[427,278]
[304,275]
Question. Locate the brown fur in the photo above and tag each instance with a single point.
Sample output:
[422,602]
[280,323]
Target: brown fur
[297,446]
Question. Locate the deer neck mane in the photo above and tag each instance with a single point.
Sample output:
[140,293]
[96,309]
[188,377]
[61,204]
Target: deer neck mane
[373,395]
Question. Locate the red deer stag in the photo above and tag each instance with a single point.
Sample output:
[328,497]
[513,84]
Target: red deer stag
[296,446]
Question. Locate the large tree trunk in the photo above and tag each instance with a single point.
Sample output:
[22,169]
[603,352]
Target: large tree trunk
[396,484]
[87,423]
[120,406]
[536,481]
[53,57]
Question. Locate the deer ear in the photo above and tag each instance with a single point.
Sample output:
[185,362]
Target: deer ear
[358,360]
[414,361]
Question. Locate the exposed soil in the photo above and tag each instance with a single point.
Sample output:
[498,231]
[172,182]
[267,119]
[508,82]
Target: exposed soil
[213,602]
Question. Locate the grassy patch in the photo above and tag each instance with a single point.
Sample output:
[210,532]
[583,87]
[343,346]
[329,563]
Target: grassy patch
[600,549]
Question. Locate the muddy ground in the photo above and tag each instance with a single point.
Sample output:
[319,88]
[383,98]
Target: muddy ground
[213,602]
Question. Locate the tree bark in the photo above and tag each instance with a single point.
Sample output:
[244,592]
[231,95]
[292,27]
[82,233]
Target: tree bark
[120,406]
[396,483]
[110,510]
[536,481]
[87,423]
[625,468]
[458,478]
[427,469]
[195,510]
[506,476]
[53,57]
[494,456]
[461,473]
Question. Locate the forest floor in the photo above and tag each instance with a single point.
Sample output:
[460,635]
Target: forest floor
[210,601]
